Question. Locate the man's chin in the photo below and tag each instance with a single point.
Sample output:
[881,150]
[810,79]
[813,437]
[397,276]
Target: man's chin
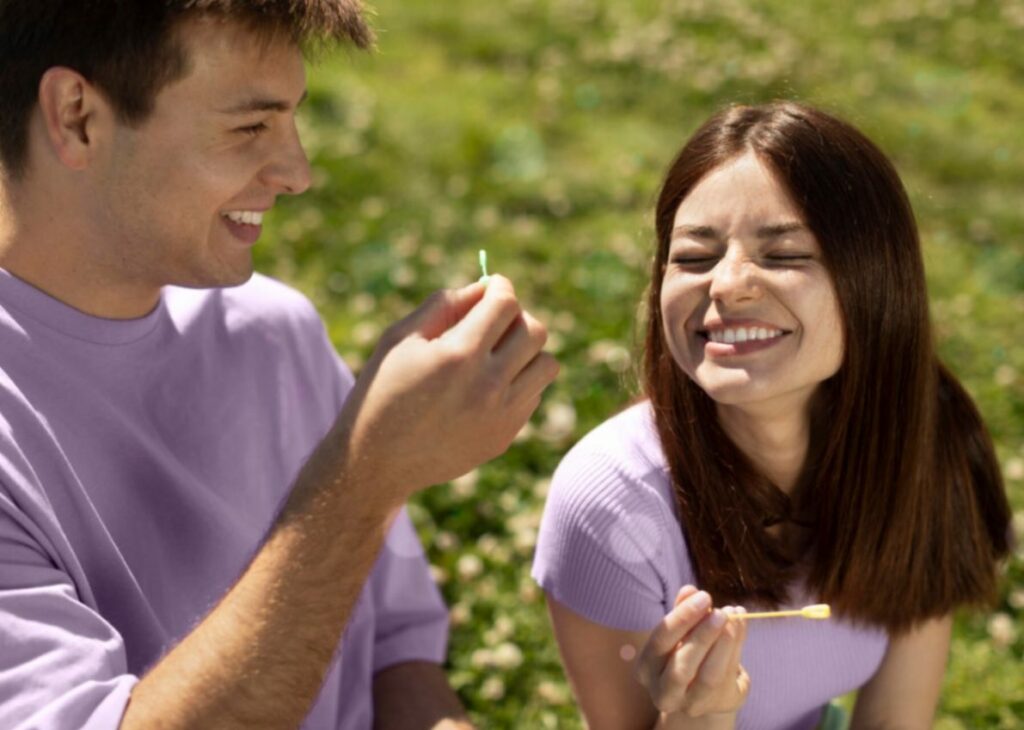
[223,279]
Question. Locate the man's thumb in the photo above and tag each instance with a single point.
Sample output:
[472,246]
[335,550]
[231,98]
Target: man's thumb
[442,310]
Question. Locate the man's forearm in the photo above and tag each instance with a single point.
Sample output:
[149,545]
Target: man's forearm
[416,696]
[258,659]
[412,419]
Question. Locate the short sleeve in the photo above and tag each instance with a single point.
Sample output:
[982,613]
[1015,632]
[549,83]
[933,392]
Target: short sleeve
[600,542]
[410,616]
[62,666]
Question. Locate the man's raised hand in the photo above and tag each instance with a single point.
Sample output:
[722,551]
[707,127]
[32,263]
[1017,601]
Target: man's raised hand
[448,388]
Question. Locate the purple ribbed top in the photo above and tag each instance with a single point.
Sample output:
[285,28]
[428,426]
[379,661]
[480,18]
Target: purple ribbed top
[611,549]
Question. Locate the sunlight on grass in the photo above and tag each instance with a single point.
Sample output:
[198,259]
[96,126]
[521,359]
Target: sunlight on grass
[538,129]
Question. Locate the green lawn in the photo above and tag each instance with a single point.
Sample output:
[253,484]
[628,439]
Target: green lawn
[538,129]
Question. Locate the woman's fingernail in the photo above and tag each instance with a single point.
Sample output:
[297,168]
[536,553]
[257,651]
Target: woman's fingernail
[717,619]
[700,601]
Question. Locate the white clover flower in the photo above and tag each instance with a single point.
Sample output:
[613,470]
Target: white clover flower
[504,626]
[528,592]
[438,574]
[492,689]
[469,566]
[365,333]
[559,422]
[1016,598]
[525,539]
[507,656]
[552,694]
[445,540]
[482,658]
[609,353]
[1002,629]
[459,614]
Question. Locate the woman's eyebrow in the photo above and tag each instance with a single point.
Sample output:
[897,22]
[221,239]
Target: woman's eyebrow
[695,232]
[779,229]
[764,232]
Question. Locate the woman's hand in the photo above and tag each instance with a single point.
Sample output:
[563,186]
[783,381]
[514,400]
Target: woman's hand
[690,665]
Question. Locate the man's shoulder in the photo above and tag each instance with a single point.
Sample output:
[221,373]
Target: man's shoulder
[262,302]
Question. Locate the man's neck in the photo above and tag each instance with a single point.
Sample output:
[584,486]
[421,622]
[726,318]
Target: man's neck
[42,248]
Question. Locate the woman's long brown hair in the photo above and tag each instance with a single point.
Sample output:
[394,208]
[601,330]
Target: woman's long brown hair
[900,512]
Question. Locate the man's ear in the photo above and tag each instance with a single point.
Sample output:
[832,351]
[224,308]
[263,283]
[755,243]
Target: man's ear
[72,111]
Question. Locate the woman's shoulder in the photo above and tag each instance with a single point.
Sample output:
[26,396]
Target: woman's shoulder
[628,441]
[618,463]
[609,546]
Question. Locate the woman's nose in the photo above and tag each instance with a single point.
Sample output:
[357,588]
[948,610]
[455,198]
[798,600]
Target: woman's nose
[735,278]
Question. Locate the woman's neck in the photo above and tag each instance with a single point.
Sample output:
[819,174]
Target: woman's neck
[774,439]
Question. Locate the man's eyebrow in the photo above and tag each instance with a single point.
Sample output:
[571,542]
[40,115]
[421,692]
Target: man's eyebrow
[262,104]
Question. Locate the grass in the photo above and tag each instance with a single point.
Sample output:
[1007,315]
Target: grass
[538,129]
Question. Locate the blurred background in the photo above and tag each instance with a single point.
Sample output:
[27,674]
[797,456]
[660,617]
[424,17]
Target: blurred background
[539,129]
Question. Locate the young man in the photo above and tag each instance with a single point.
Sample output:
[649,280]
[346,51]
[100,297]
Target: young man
[201,520]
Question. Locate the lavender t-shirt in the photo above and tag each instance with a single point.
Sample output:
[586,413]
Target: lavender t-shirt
[611,549]
[141,464]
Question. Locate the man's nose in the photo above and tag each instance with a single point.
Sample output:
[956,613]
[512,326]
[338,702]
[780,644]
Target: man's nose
[289,171]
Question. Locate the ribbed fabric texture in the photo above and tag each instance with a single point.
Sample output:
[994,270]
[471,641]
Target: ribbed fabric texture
[611,549]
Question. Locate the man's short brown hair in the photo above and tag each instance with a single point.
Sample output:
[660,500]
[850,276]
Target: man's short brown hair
[129,50]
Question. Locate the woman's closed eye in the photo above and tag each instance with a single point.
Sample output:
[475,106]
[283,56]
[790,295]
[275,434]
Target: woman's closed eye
[788,258]
[694,260]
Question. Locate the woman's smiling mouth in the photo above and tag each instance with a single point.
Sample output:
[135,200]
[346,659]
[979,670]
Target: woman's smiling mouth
[740,339]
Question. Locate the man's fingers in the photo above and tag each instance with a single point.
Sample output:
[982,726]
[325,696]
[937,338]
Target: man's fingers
[520,345]
[442,311]
[484,324]
[534,378]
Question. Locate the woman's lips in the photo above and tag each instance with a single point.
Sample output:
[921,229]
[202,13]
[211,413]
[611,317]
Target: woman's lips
[732,349]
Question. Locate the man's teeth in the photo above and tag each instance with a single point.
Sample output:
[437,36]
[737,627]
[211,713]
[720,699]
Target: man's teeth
[743,334]
[248,217]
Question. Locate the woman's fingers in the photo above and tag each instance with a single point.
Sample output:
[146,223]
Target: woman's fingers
[684,593]
[669,632]
[722,658]
[686,662]
[741,636]
[691,662]
[721,683]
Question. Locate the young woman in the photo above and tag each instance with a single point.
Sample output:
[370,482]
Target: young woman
[799,443]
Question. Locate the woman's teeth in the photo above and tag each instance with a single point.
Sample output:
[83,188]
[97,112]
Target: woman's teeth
[742,334]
